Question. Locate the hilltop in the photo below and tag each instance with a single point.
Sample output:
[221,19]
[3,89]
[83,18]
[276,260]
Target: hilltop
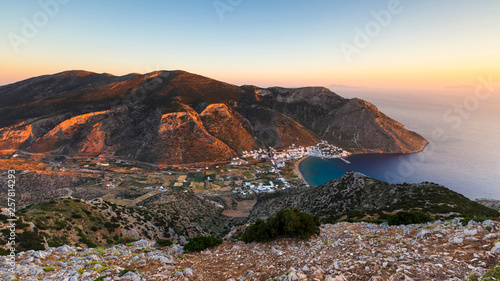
[355,196]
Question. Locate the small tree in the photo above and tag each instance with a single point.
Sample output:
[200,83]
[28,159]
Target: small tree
[286,223]
[409,217]
[200,243]
[164,242]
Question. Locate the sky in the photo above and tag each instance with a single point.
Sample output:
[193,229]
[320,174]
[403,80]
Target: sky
[292,43]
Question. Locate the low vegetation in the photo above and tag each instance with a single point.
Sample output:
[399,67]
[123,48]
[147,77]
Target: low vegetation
[490,275]
[286,223]
[76,222]
[200,243]
[125,271]
[355,198]
[409,217]
[164,242]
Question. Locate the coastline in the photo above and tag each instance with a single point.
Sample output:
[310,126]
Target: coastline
[297,170]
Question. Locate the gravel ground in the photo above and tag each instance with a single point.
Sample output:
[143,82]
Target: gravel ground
[343,251]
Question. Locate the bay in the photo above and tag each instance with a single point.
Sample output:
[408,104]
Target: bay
[465,157]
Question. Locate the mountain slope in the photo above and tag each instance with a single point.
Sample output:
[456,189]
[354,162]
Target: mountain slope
[175,117]
[356,194]
[353,124]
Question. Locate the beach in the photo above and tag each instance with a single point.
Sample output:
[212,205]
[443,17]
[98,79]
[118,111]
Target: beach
[297,170]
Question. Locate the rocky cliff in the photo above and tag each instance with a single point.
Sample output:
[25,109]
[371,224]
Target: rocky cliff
[353,124]
[175,117]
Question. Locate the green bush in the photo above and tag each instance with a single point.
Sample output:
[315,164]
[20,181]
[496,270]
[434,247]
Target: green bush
[490,275]
[76,215]
[125,271]
[409,217]
[110,225]
[200,243]
[49,268]
[286,223]
[164,242]
[85,240]
[30,240]
[124,240]
[4,252]
[468,217]
[56,241]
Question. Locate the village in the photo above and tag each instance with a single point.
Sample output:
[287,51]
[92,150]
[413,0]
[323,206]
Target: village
[279,160]
[322,150]
[263,170]
[257,171]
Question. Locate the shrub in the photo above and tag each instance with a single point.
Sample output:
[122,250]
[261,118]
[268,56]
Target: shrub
[126,240]
[4,252]
[164,242]
[125,271]
[286,223]
[30,240]
[110,225]
[76,215]
[49,268]
[467,218]
[58,225]
[490,275]
[21,225]
[56,241]
[200,243]
[85,240]
[409,217]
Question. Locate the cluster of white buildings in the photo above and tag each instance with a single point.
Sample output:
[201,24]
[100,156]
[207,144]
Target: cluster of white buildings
[322,150]
[254,154]
[278,158]
[248,187]
[261,187]
[238,162]
[160,188]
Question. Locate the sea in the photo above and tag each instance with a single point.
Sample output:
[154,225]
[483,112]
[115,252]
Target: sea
[462,126]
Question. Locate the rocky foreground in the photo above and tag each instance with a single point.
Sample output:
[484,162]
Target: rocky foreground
[343,251]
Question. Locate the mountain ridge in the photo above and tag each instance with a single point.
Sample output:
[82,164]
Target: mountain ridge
[355,195]
[126,116]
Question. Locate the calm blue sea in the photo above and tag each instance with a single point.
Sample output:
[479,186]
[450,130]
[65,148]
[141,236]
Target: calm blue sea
[465,158]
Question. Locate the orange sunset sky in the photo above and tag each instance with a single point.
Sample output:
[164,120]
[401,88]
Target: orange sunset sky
[382,44]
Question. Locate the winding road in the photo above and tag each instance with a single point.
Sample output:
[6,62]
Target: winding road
[68,190]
